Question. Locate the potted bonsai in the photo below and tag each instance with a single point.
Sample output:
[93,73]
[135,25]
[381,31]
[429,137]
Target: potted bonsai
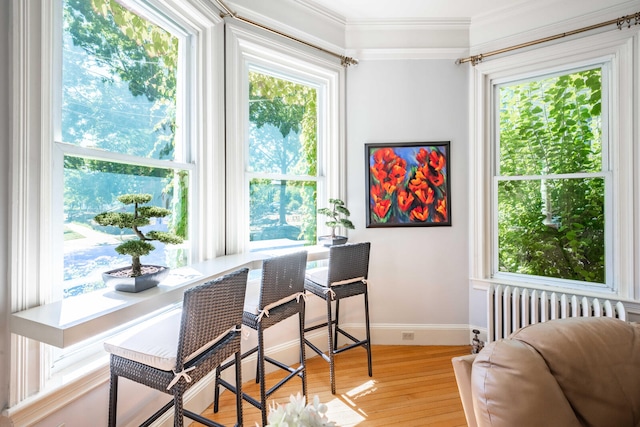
[137,277]
[337,216]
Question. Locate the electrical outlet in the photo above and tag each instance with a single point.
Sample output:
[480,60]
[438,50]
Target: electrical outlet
[407,336]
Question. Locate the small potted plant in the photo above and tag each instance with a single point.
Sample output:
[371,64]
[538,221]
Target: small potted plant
[137,277]
[338,216]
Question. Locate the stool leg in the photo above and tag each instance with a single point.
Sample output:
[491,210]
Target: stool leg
[178,417]
[257,372]
[216,391]
[366,317]
[331,355]
[238,388]
[303,358]
[335,330]
[113,399]
[261,370]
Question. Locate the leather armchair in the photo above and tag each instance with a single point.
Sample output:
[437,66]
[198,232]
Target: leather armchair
[561,373]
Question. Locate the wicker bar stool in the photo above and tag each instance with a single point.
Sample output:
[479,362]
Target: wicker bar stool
[173,354]
[344,277]
[276,297]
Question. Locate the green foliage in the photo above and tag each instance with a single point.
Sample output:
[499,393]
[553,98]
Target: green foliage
[135,248]
[140,217]
[338,216]
[119,95]
[137,51]
[179,222]
[289,107]
[552,226]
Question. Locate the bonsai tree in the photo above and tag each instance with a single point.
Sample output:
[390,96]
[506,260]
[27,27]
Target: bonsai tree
[139,218]
[338,215]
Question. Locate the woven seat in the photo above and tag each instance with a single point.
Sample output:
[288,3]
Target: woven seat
[344,277]
[277,296]
[178,350]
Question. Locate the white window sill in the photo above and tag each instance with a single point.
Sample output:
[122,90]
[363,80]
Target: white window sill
[72,320]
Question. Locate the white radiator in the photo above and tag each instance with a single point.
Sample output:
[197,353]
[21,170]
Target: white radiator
[512,307]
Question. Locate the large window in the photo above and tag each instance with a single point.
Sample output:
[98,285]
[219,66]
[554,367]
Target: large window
[282,166]
[552,161]
[551,176]
[119,133]
[285,141]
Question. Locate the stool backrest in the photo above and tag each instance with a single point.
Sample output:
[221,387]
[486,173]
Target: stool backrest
[209,311]
[282,276]
[348,261]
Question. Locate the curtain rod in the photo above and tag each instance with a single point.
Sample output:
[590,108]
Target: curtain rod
[345,61]
[620,22]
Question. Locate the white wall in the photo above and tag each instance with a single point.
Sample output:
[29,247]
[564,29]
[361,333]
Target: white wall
[418,275]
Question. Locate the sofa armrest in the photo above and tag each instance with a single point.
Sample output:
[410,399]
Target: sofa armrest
[462,370]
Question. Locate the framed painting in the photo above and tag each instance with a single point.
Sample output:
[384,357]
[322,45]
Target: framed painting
[408,184]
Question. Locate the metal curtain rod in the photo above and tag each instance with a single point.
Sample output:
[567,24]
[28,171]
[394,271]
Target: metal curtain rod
[627,20]
[344,60]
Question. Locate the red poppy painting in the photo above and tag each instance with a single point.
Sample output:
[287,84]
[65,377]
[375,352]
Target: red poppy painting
[408,184]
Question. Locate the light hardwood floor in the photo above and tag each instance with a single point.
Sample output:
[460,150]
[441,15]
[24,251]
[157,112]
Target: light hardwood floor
[411,386]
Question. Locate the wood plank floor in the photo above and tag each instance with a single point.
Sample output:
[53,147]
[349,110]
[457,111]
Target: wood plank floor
[411,386]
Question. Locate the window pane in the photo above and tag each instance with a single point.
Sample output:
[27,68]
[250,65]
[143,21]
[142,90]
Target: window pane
[119,81]
[283,126]
[552,228]
[119,95]
[283,141]
[552,125]
[282,213]
[91,187]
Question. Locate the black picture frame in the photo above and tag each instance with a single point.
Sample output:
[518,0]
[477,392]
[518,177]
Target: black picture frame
[408,184]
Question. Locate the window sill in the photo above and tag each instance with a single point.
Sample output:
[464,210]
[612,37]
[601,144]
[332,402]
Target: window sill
[72,320]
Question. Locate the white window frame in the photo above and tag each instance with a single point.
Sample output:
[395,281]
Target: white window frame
[605,173]
[32,237]
[246,49]
[183,160]
[614,48]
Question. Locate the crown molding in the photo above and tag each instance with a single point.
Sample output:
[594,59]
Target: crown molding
[407,53]
[409,23]
[322,11]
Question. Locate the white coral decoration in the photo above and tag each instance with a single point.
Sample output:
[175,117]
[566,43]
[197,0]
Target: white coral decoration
[296,414]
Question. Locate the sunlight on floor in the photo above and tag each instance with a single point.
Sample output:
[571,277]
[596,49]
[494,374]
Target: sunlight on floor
[345,408]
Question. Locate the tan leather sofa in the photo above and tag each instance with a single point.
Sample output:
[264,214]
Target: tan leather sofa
[561,373]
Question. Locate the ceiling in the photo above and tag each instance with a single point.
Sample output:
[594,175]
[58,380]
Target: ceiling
[380,10]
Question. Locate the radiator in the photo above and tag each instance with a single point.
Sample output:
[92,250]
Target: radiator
[512,307]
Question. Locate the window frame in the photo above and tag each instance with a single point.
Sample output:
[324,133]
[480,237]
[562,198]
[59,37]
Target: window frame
[248,49]
[182,161]
[319,180]
[614,48]
[605,173]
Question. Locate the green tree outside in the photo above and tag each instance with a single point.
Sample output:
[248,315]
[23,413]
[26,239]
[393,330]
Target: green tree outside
[551,183]
[291,108]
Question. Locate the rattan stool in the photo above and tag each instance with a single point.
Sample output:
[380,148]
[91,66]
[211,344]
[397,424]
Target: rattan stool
[344,277]
[177,351]
[276,297]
